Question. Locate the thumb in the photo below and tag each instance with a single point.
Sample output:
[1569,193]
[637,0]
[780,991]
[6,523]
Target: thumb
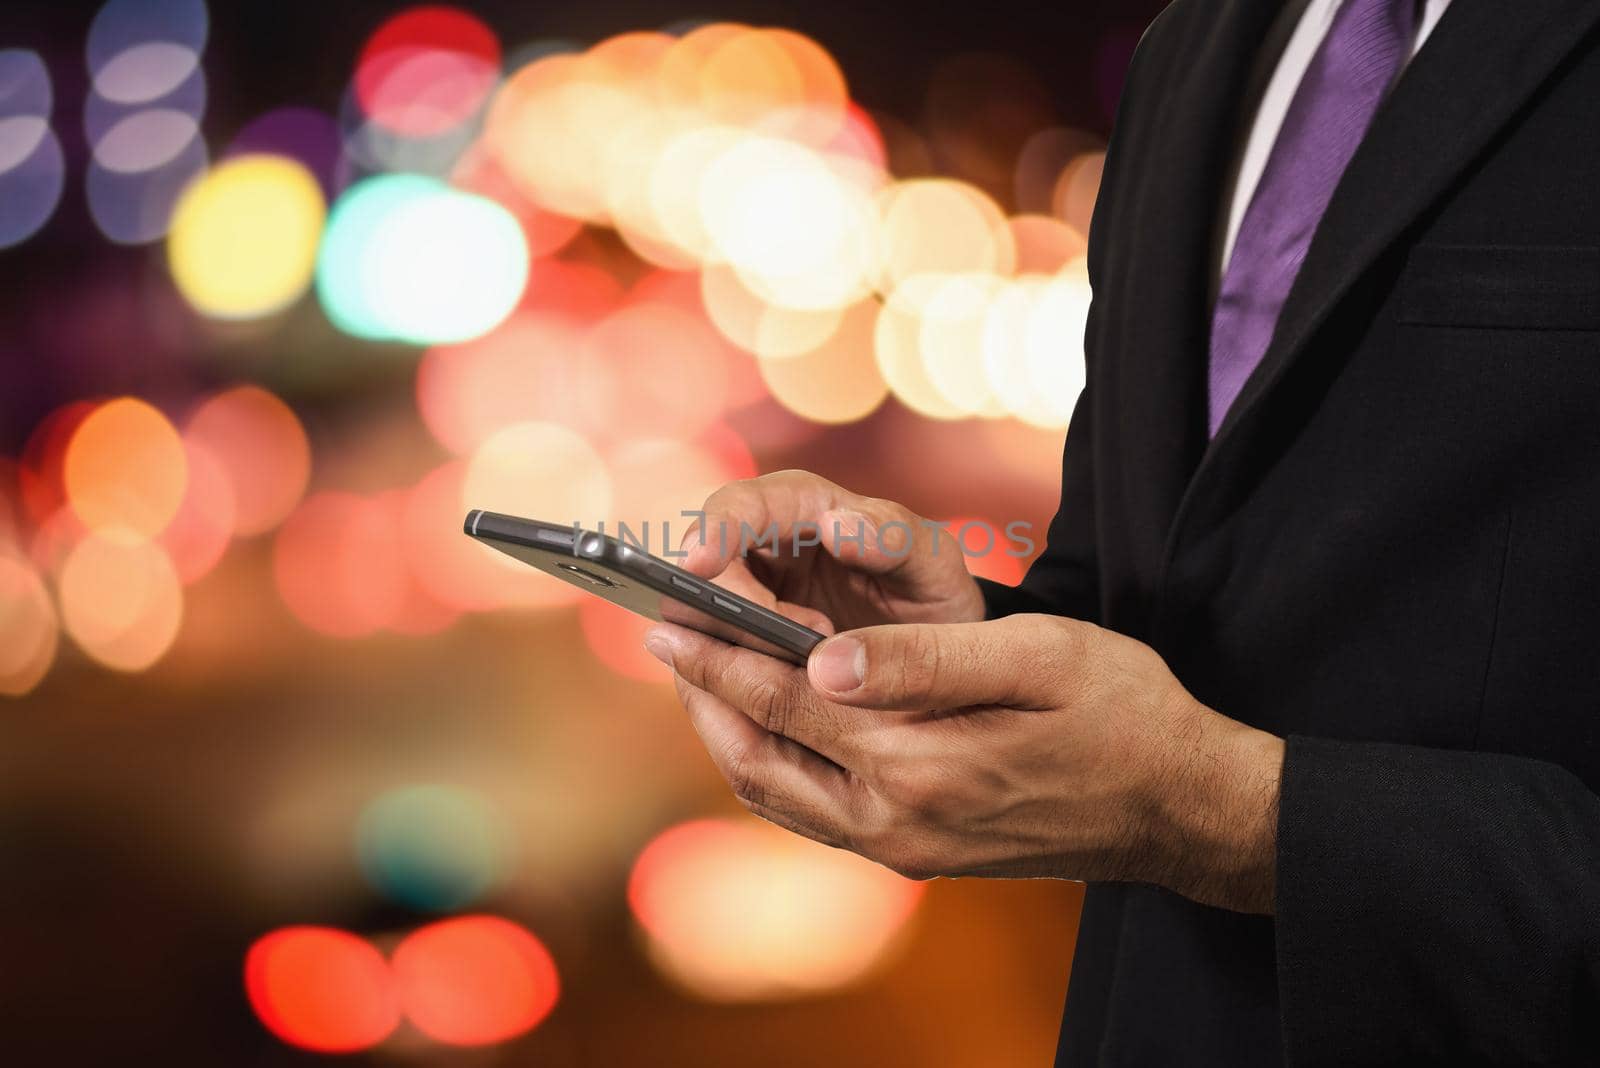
[1016,662]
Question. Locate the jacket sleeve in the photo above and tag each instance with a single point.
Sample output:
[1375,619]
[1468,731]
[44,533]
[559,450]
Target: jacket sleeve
[1064,580]
[1436,907]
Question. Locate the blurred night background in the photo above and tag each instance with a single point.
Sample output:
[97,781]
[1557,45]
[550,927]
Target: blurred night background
[291,770]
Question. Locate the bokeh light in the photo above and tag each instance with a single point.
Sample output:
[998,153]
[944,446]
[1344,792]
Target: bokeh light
[950,340]
[142,115]
[339,567]
[522,371]
[1044,156]
[1077,189]
[542,470]
[146,141]
[203,526]
[139,168]
[28,627]
[1053,349]
[126,468]
[897,343]
[32,169]
[653,369]
[40,477]
[988,549]
[433,848]
[798,231]
[1045,245]
[455,570]
[321,989]
[145,72]
[742,911]
[121,600]
[406,258]
[243,239]
[941,226]
[475,980]
[757,326]
[120,25]
[838,381]
[262,449]
[421,613]
[426,70]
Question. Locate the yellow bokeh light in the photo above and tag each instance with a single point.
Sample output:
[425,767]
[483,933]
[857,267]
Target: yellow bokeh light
[679,73]
[28,627]
[121,599]
[676,175]
[825,97]
[897,343]
[1005,348]
[126,467]
[837,382]
[548,127]
[758,327]
[1054,344]
[951,341]
[797,230]
[742,911]
[243,241]
[1033,355]
[749,76]
[629,163]
[942,226]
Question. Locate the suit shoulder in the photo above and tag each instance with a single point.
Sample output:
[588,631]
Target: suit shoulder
[1176,23]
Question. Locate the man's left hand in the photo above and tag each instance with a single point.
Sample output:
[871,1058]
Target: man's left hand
[1030,746]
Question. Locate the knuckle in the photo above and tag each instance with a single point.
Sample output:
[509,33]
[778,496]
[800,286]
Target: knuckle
[774,708]
[740,771]
[922,659]
[907,787]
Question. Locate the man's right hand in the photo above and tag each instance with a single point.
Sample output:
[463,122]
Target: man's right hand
[839,561]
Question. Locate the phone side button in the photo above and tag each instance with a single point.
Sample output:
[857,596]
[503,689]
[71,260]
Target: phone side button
[723,602]
[685,584]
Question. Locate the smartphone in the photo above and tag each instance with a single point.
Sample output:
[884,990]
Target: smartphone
[628,576]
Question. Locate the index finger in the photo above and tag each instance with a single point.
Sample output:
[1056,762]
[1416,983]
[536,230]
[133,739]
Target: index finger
[775,695]
[771,509]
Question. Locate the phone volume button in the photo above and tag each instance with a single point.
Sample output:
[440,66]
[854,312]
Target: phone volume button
[723,602]
[685,584]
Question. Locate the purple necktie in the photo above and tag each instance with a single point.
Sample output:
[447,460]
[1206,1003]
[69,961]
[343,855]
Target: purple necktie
[1364,50]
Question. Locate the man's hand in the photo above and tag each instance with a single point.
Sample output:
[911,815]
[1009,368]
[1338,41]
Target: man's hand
[828,557]
[1023,747]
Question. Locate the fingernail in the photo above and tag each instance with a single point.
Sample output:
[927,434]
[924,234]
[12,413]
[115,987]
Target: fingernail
[657,645]
[841,665]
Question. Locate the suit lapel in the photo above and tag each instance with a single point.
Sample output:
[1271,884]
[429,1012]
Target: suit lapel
[1485,61]
[1152,384]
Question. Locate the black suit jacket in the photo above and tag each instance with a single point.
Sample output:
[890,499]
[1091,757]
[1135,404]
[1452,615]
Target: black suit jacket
[1390,554]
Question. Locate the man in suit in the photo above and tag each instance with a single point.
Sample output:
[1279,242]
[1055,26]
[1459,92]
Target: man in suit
[1304,684]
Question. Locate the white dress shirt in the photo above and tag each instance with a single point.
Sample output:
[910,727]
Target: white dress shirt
[1285,57]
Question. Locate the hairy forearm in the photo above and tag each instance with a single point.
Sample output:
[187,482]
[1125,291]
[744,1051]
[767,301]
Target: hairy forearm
[1217,824]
